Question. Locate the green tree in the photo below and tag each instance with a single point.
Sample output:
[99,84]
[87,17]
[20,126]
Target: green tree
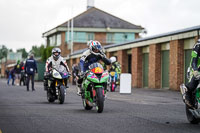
[10,50]
[3,52]
[24,53]
[41,51]
[36,51]
[46,53]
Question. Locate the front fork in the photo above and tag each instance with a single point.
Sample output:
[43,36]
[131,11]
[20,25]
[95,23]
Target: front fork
[57,86]
[92,95]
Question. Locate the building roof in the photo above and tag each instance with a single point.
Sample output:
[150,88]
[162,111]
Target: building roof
[157,36]
[195,28]
[96,18]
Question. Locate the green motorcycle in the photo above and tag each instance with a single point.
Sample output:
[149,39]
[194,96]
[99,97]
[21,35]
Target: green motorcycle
[93,87]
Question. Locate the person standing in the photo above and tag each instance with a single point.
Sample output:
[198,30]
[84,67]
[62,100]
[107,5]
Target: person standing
[75,70]
[7,73]
[11,76]
[23,75]
[18,72]
[30,69]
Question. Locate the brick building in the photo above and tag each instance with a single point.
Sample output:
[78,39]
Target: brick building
[93,24]
[9,62]
[155,62]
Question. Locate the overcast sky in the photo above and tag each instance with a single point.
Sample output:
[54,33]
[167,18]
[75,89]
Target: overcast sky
[22,22]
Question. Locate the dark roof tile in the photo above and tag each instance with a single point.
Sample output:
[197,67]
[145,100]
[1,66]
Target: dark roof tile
[96,18]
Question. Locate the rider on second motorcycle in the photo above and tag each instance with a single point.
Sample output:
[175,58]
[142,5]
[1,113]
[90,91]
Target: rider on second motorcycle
[92,55]
[54,61]
[115,66]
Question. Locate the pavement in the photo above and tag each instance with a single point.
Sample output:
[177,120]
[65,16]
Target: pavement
[144,111]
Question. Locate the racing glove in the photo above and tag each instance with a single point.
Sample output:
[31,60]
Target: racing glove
[196,74]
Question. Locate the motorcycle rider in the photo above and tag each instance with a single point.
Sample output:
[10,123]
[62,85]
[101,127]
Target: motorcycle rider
[92,55]
[54,61]
[115,66]
[187,89]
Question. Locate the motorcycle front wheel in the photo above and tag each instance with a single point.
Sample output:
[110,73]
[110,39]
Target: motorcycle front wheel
[61,94]
[50,97]
[191,118]
[100,100]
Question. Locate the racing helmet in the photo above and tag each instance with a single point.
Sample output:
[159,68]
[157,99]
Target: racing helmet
[198,41]
[95,47]
[88,43]
[56,53]
[113,59]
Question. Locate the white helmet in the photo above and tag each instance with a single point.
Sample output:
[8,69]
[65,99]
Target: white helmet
[198,41]
[113,59]
[56,53]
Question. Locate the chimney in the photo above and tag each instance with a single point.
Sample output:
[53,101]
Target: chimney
[90,4]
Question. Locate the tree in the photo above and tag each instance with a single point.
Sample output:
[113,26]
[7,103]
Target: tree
[36,51]
[42,52]
[3,52]
[46,53]
[10,50]
[24,53]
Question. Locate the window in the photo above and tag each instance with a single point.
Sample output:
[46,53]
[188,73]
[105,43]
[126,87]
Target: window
[90,36]
[123,37]
[119,37]
[77,37]
[58,40]
[52,40]
[109,37]
[80,37]
[129,36]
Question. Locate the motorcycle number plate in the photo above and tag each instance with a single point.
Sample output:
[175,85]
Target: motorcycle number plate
[112,73]
[98,70]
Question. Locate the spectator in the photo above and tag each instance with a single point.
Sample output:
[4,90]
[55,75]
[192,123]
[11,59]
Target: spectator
[23,75]
[30,69]
[11,76]
[7,73]
[75,70]
[18,72]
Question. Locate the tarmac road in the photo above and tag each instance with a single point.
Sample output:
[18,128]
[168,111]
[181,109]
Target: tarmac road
[144,111]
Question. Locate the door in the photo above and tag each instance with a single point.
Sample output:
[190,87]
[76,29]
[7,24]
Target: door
[145,69]
[129,63]
[165,69]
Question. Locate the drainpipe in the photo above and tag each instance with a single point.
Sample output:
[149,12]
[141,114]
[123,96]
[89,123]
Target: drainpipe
[68,30]
[72,38]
